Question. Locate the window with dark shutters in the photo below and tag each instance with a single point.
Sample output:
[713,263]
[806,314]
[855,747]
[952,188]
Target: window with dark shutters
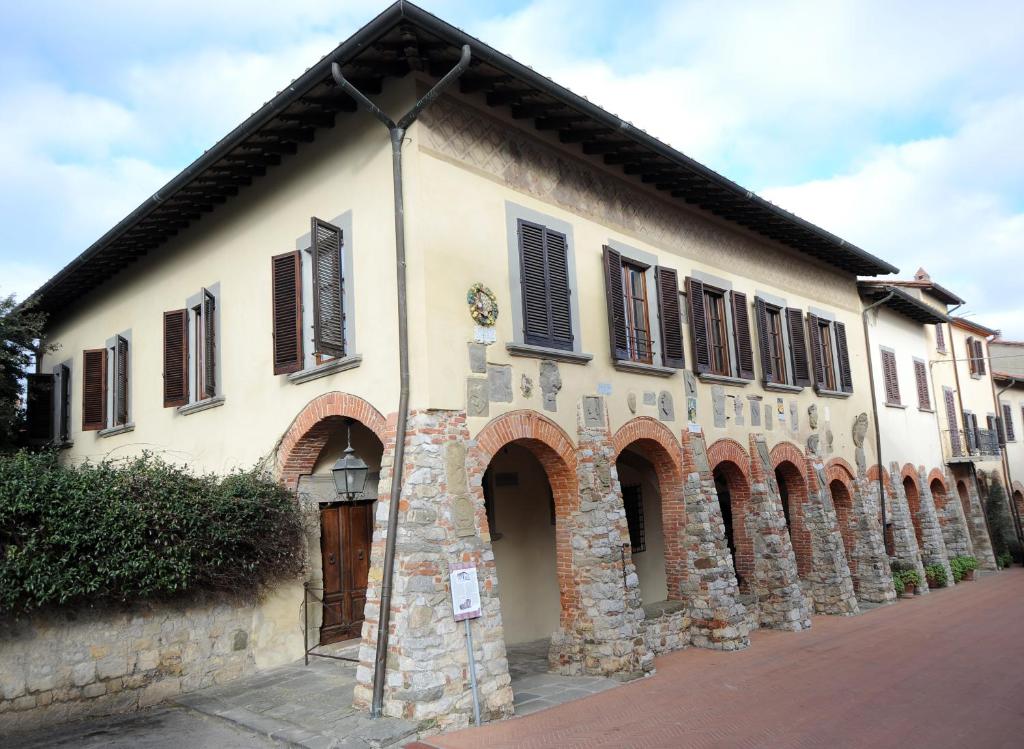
[286,290]
[951,423]
[39,408]
[618,335]
[741,335]
[889,377]
[1008,422]
[979,354]
[120,381]
[328,290]
[698,326]
[64,403]
[814,328]
[843,357]
[175,358]
[718,331]
[670,314]
[765,342]
[940,338]
[924,401]
[94,389]
[972,363]
[798,347]
[544,271]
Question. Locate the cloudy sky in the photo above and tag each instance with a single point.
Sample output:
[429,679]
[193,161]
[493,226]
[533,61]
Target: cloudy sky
[894,125]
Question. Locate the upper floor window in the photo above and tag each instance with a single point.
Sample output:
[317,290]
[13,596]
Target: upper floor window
[975,356]
[830,355]
[783,345]
[924,400]
[890,377]
[48,406]
[940,338]
[544,275]
[1008,422]
[719,329]
[776,342]
[628,284]
[106,385]
[192,351]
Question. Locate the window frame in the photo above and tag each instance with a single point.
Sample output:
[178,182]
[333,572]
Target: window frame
[886,354]
[925,405]
[111,424]
[637,269]
[780,368]
[715,296]
[829,353]
[196,348]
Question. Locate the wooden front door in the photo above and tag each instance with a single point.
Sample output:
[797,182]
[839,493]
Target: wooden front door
[346,531]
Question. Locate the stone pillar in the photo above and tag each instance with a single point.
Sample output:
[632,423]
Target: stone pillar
[709,587]
[830,580]
[607,637]
[439,522]
[776,585]
[874,578]
[904,538]
[933,547]
[979,528]
[953,522]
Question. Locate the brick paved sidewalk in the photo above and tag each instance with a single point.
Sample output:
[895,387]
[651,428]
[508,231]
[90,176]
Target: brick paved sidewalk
[942,670]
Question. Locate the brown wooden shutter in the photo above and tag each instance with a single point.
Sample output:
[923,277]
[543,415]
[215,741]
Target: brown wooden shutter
[1000,429]
[972,364]
[975,430]
[843,354]
[798,347]
[39,407]
[209,345]
[954,428]
[328,294]
[921,379]
[698,325]
[175,358]
[617,334]
[672,354]
[741,335]
[286,290]
[979,347]
[544,276]
[763,341]
[817,357]
[121,382]
[892,383]
[94,389]
[940,338]
[1008,422]
[64,404]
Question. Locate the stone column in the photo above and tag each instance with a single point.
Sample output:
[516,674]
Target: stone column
[933,547]
[607,637]
[954,522]
[830,580]
[904,538]
[718,620]
[874,578]
[978,527]
[439,522]
[776,585]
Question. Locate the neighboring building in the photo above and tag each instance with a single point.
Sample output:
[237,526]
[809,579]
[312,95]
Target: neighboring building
[663,439]
[1007,362]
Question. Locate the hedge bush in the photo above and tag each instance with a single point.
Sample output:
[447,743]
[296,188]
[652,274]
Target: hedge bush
[137,530]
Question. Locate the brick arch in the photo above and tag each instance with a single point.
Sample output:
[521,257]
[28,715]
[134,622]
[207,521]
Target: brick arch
[873,476]
[1017,495]
[912,489]
[936,474]
[555,452]
[837,469]
[305,438]
[910,472]
[658,445]
[841,489]
[791,474]
[732,451]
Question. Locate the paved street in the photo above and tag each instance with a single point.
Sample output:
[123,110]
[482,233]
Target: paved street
[942,670]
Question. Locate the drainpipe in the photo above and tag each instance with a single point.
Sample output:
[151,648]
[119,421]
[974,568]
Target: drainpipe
[397,133]
[874,407]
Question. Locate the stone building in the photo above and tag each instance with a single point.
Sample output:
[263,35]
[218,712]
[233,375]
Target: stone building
[662,439]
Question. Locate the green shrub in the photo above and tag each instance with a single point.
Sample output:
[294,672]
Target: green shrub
[1004,560]
[903,574]
[137,530]
[936,575]
[1000,524]
[897,583]
[961,566]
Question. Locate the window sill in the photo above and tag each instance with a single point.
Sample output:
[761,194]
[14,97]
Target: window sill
[543,352]
[895,405]
[926,410]
[640,368]
[323,370]
[203,405]
[120,429]
[832,393]
[723,380]
[781,387]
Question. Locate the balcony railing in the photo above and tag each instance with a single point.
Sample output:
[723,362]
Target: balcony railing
[960,445]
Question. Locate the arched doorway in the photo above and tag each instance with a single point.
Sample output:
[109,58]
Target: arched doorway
[733,489]
[793,493]
[843,501]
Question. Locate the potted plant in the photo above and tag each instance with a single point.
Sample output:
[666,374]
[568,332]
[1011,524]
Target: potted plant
[1005,560]
[905,578]
[963,568]
[936,575]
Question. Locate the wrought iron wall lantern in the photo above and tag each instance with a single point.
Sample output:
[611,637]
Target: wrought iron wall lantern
[349,471]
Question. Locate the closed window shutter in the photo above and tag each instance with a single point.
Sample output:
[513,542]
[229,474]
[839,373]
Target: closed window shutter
[617,334]
[1008,422]
[972,364]
[954,429]
[940,338]
[798,347]
[1000,429]
[94,389]
[816,353]
[39,407]
[544,270]
[976,431]
[121,382]
[892,384]
[979,347]
[209,345]
[328,294]
[921,378]
[669,313]
[763,342]
[286,291]
[741,335]
[64,404]
[175,358]
[698,325]
[843,351]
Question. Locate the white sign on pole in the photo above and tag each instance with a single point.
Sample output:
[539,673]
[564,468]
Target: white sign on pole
[465,591]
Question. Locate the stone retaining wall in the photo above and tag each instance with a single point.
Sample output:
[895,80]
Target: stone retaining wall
[55,666]
[666,627]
